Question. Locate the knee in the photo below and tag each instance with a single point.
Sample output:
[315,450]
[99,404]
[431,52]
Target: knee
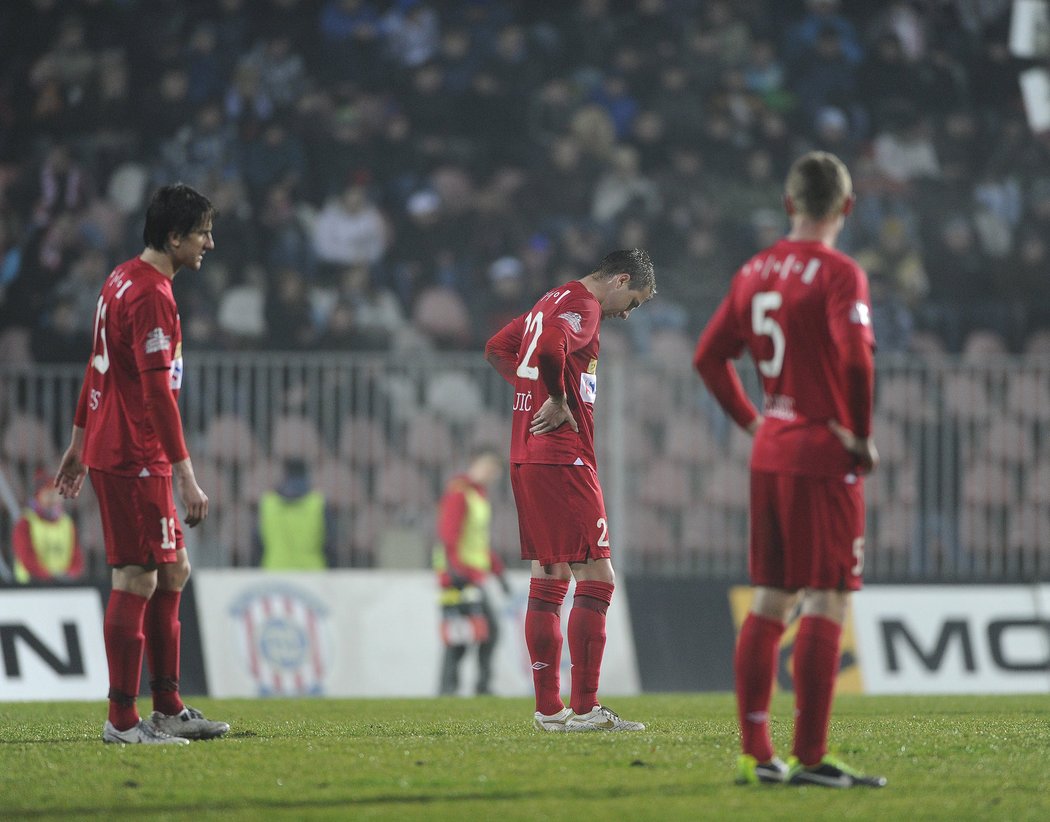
[174,577]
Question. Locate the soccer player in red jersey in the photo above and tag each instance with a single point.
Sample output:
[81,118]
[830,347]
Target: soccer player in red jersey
[550,356]
[801,310]
[128,431]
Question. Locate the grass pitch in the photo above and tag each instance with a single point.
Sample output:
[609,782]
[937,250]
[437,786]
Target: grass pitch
[954,758]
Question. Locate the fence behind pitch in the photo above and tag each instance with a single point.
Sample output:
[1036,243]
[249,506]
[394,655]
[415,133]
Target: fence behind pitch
[963,492]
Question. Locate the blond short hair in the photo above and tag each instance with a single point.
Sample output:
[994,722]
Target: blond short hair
[819,185]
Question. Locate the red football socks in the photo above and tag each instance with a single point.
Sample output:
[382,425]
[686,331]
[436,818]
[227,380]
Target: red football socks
[755,666]
[816,663]
[587,641]
[122,633]
[544,640]
[163,634]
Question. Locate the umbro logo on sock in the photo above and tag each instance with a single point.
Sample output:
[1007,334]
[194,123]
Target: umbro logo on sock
[539,666]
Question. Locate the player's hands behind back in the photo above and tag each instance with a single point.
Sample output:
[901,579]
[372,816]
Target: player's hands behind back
[552,415]
[863,448]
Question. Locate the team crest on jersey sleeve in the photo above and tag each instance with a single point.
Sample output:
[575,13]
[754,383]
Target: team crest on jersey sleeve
[157,340]
[574,320]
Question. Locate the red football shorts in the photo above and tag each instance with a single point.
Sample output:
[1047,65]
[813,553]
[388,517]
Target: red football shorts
[561,513]
[139,522]
[806,532]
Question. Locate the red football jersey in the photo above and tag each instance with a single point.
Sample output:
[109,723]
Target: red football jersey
[137,329]
[803,312]
[573,310]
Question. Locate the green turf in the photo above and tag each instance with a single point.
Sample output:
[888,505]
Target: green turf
[951,758]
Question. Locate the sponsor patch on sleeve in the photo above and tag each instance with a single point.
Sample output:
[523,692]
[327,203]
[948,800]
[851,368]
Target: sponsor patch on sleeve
[157,340]
[573,319]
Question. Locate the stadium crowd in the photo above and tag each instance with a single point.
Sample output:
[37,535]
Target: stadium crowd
[398,173]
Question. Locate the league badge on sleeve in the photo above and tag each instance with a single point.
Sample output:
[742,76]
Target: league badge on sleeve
[588,387]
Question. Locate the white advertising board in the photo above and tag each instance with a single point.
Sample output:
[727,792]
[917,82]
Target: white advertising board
[953,639]
[51,645]
[365,633]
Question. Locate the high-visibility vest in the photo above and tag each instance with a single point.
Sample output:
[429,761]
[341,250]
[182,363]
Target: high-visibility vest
[473,544]
[53,543]
[292,532]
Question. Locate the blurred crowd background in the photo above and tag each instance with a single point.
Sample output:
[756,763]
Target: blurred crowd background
[399,174]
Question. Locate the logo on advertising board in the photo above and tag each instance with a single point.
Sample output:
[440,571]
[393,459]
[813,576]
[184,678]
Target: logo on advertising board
[51,645]
[285,638]
[849,676]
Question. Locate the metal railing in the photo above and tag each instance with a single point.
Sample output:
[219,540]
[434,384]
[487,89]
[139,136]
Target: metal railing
[963,492]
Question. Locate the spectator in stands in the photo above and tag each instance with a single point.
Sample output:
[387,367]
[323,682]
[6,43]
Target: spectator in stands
[350,230]
[45,542]
[464,560]
[295,529]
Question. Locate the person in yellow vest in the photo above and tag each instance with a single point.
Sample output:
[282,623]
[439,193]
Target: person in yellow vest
[45,538]
[463,559]
[294,528]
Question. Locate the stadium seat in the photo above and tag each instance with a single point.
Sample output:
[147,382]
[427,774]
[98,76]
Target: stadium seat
[671,348]
[666,486]
[362,441]
[27,441]
[401,483]
[256,478]
[967,397]
[442,315]
[903,396]
[890,441]
[341,485]
[295,436]
[241,314]
[1028,394]
[689,440]
[1008,440]
[428,441]
[727,484]
[648,542]
[490,429]
[453,395]
[14,347]
[983,346]
[229,439]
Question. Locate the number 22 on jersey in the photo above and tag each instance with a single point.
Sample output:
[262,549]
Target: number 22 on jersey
[534,326]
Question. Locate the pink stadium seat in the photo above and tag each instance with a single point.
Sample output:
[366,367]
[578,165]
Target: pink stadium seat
[490,429]
[671,348]
[688,439]
[342,486]
[727,485]
[428,440]
[985,483]
[229,439]
[1028,395]
[14,347]
[27,440]
[983,346]
[666,486]
[256,478]
[362,441]
[966,397]
[442,315]
[295,436]
[401,483]
[1008,440]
